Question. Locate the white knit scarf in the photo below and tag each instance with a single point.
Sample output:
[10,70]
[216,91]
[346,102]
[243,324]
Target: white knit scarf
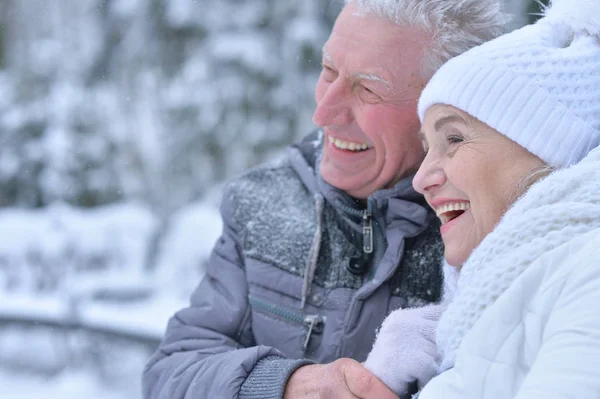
[562,206]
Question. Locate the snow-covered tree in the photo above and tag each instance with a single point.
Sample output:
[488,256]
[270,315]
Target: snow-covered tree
[154,100]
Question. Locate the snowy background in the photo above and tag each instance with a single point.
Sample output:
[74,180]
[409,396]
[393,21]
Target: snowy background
[119,122]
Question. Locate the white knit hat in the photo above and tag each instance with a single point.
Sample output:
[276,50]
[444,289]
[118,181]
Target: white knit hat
[539,85]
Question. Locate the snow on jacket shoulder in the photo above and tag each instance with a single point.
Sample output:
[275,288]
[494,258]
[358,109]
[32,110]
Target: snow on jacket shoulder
[246,330]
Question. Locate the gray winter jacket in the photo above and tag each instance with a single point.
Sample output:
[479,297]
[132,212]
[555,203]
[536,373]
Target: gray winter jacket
[301,274]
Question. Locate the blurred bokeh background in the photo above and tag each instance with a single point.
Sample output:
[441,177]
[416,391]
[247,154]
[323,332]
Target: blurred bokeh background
[119,122]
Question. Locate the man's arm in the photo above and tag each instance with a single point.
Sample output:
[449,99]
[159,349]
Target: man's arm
[208,349]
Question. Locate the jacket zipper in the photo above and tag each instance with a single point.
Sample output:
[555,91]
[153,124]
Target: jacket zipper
[368,228]
[368,231]
[314,323]
[371,231]
[378,239]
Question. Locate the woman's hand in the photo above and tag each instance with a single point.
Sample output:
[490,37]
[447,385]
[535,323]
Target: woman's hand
[405,350]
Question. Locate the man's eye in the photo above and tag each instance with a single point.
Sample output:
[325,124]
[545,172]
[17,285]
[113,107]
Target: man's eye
[367,94]
[366,89]
[328,73]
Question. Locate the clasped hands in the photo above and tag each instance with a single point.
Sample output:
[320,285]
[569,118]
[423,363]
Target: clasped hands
[404,352]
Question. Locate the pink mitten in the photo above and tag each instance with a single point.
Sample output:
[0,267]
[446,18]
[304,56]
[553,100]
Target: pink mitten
[405,349]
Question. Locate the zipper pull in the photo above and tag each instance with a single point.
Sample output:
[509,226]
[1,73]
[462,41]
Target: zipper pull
[368,229]
[315,324]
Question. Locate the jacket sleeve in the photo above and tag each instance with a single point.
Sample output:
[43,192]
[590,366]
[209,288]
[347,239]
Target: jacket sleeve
[568,363]
[208,350]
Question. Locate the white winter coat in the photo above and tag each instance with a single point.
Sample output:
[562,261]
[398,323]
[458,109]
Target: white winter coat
[525,321]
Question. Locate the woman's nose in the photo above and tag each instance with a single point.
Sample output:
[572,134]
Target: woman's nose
[429,176]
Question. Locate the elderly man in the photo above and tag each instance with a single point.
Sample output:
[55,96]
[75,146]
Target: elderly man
[317,249]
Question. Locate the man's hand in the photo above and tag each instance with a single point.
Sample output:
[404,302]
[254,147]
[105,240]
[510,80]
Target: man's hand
[344,378]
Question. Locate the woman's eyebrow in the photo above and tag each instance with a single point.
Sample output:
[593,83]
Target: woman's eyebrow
[447,119]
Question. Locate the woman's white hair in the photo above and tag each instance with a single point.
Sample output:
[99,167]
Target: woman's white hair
[533,176]
[454,25]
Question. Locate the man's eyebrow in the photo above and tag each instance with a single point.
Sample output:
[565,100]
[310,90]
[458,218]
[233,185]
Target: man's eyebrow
[370,76]
[447,119]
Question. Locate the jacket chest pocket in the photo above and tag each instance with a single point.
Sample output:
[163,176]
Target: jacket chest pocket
[295,333]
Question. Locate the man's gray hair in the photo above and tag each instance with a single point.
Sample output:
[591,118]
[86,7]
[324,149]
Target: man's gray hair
[454,25]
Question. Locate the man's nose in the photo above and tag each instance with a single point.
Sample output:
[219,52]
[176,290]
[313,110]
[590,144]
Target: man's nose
[334,108]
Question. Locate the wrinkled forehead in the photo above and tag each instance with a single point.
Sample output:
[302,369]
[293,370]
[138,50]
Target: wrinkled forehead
[440,115]
[382,49]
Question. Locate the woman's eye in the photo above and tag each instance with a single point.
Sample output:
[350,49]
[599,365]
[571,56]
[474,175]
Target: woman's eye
[454,139]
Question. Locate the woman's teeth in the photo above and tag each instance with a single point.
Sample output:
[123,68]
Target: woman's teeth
[450,211]
[348,145]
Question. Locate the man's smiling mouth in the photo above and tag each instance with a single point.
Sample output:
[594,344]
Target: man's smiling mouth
[348,145]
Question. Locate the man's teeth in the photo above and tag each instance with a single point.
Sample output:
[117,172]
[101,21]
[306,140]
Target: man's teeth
[442,211]
[348,145]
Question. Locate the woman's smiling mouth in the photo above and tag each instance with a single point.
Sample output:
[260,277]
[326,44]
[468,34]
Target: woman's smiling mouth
[451,210]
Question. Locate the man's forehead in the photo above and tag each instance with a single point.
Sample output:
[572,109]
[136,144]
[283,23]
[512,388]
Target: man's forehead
[364,70]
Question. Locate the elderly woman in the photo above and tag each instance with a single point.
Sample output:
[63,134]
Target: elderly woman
[511,130]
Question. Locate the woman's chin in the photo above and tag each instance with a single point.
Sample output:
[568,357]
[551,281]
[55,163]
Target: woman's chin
[456,260]
[457,267]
